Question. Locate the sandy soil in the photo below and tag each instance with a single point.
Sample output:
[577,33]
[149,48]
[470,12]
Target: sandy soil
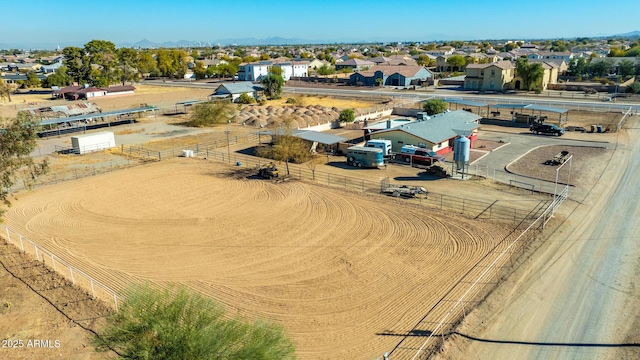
[335,270]
[26,316]
[587,164]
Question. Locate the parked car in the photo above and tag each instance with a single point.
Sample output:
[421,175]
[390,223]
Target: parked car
[547,129]
[419,155]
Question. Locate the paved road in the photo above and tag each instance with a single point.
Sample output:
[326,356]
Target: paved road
[589,104]
[579,297]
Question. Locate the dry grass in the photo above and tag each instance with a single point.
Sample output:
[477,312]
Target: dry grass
[324,101]
[130,131]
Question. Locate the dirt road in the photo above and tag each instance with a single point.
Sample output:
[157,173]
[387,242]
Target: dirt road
[578,297]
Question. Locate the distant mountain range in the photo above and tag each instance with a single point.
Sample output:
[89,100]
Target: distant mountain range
[145,43]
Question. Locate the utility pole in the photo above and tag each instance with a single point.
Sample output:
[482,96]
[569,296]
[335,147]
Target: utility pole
[227,132]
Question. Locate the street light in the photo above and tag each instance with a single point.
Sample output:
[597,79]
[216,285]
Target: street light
[227,132]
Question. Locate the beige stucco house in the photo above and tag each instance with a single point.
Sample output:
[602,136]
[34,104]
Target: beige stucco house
[489,77]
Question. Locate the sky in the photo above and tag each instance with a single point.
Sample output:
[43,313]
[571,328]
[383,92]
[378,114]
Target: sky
[119,21]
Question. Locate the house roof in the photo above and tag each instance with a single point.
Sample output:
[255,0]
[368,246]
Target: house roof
[239,87]
[440,127]
[357,62]
[404,70]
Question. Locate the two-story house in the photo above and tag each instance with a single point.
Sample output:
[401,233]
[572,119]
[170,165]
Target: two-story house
[253,71]
[489,77]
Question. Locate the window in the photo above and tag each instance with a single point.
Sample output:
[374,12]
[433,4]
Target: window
[400,142]
[493,72]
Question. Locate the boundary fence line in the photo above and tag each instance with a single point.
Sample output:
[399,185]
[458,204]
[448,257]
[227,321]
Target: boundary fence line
[77,276]
[621,122]
[479,287]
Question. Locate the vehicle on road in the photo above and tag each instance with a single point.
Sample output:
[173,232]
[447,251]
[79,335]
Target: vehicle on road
[546,129]
[361,156]
[417,155]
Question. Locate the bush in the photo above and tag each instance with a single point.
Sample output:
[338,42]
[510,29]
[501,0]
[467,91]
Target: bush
[210,113]
[634,88]
[347,115]
[246,99]
[434,106]
[179,324]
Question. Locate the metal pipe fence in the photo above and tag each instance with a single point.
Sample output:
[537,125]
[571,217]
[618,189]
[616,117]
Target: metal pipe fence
[75,275]
[467,293]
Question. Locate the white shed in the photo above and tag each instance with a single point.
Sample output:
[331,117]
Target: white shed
[83,144]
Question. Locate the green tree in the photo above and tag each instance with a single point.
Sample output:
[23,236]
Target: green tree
[78,65]
[626,67]
[17,140]
[58,78]
[199,70]
[128,64]
[600,68]
[531,73]
[287,148]
[103,54]
[457,62]
[180,324]
[6,90]
[210,114]
[347,115]
[245,98]
[434,106]
[577,66]
[423,60]
[634,88]
[273,85]
[326,70]
[32,80]
[146,63]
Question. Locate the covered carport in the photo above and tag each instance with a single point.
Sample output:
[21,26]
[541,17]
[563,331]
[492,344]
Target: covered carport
[329,141]
[466,104]
[526,113]
[59,126]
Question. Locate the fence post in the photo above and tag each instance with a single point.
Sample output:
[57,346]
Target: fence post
[53,261]
[37,256]
[73,281]
[159,156]
[463,205]
[93,292]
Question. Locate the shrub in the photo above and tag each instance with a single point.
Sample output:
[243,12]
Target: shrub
[347,115]
[246,99]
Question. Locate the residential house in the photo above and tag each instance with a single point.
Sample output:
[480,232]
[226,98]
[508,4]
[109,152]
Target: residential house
[233,91]
[50,68]
[293,69]
[391,75]
[317,63]
[562,65]
[380,59]
[551,55]
[88,92]
[439,52]
[253,71]
[14,78]
[437,133]
[355,64]
[489,77]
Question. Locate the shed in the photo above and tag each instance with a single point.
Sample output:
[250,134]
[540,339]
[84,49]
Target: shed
[83,144]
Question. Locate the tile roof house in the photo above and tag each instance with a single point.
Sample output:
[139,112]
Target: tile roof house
[391,75]
[489,77]
[355,64]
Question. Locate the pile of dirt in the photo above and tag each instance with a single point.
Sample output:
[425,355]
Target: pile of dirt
[295,116]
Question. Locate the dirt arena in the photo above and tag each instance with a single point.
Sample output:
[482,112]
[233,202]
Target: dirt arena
[337,269]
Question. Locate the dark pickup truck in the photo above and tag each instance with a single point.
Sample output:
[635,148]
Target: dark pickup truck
[546,129]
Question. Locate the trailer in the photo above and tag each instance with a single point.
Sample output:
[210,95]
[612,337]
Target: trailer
[405,191]
[360,156]
[83,144]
